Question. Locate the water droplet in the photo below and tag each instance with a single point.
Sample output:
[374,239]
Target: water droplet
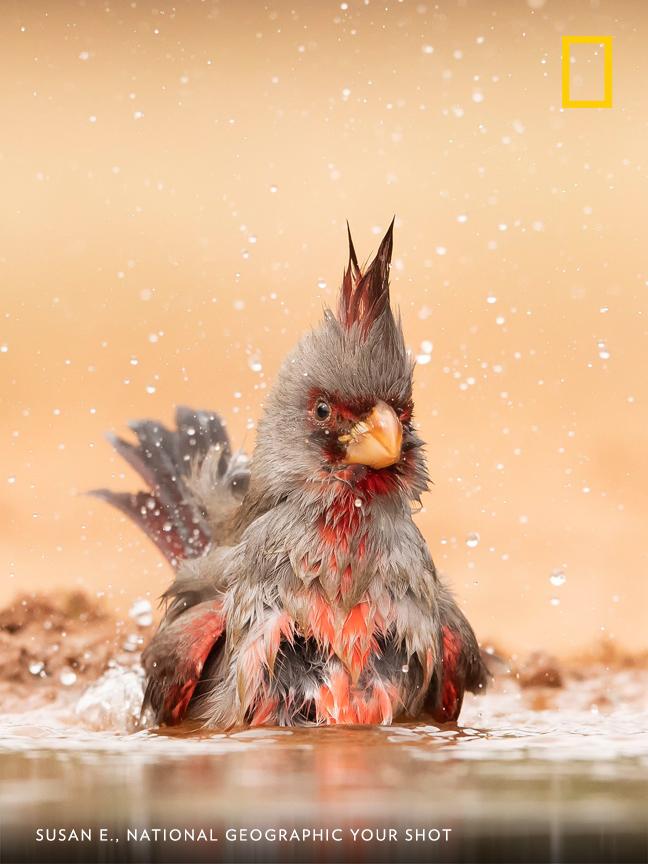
[321,284]
[426,346]
[11,480]
[358,502]
[423,359]
[558,577]
[255,364]
[67,676]
[141,612]
[555,601]
[36,667]
[132,643]
[150,389]
[603,352]
[472,539]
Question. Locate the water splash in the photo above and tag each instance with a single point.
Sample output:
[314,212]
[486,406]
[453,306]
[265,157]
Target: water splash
[141,612]
[114,701]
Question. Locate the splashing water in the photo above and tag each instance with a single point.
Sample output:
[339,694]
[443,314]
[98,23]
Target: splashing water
[141,612]
[579,752]
[114,701]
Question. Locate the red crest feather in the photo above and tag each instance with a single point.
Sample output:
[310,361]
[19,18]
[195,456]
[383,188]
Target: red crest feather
[365,295]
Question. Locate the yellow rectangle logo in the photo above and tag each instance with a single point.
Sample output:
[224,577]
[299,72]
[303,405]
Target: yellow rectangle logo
[606,101]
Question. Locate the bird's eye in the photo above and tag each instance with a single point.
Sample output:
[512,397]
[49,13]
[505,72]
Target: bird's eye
[322,410]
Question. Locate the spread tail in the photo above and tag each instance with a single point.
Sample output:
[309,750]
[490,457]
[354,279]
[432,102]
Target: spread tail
[194,482]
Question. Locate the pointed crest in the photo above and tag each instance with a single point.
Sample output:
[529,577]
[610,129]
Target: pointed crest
[365,295]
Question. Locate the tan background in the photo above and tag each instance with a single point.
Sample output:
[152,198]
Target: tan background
[183,174]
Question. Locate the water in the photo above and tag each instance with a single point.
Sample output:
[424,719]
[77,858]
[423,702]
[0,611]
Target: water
[542,774]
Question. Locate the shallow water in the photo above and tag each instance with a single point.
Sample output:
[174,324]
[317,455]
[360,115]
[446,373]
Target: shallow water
[567,782]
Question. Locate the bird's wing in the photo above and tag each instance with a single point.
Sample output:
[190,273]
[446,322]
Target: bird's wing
[462,667]
[195,482]
[176,656]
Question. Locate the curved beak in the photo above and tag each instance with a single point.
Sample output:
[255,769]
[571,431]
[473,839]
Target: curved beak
[375,441]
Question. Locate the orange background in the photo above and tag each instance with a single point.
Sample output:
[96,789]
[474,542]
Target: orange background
[174,189]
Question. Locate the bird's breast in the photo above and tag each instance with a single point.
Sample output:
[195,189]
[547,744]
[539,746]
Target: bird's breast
[319,661]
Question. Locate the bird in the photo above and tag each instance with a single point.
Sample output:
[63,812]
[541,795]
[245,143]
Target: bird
[304,593]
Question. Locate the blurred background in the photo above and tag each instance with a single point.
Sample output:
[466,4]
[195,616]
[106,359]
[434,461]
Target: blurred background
[175,182]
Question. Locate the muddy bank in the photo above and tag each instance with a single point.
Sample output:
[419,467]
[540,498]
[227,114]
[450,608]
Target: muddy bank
[53,645]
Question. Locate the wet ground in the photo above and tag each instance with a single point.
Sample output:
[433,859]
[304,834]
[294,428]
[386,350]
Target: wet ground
[533,773]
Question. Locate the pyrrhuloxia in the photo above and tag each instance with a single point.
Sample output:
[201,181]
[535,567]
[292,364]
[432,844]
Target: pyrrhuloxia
[304,591]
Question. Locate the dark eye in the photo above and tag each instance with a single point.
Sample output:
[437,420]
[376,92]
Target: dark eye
[322,410]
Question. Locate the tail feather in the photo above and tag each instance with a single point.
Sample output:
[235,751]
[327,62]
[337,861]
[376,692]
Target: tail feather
[197,432]
[135,458]
[187,472]
[150,514]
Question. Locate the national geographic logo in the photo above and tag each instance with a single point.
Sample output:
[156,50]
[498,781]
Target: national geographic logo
[606,101]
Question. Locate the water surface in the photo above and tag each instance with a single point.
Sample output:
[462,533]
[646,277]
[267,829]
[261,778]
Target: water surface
[546,775]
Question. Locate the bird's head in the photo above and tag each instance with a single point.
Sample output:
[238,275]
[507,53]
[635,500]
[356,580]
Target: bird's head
[341,406]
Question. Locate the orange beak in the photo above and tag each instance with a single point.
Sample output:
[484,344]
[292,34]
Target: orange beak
[375,441]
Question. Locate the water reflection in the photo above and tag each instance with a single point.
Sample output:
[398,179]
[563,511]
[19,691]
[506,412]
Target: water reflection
[508,765]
